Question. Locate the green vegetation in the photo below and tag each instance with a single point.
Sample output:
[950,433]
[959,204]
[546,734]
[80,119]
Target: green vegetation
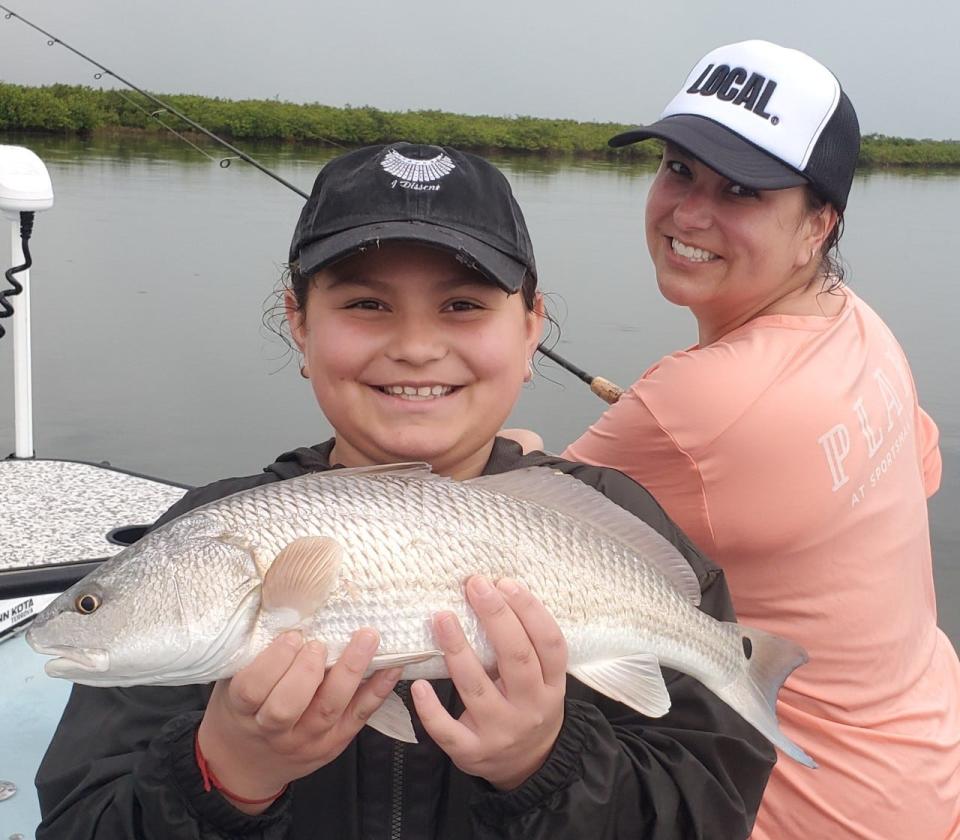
[879,150]
[73,109]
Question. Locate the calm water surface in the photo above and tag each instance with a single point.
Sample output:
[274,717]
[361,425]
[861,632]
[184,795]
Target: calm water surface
[154,268]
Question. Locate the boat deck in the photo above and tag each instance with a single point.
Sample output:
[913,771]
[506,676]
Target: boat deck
[58,520]
[54,512]
[30,708]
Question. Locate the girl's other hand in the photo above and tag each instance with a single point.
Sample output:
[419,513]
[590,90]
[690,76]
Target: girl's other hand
[284,716]
[509,726]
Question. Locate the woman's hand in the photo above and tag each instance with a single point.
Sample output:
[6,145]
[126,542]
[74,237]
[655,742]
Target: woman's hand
[509,726]
[283,716]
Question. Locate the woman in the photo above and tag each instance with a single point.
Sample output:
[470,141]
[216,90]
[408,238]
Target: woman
[788,443]
[413,301]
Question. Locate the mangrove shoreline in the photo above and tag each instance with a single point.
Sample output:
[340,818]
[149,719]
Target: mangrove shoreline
[83,111]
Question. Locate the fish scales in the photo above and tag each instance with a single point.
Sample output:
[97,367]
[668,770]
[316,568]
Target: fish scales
[410,545]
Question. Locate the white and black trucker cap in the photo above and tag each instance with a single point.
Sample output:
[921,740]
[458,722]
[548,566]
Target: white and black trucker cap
[766,117]
[435,195]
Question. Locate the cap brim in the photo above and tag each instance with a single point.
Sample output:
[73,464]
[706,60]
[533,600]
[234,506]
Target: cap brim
[720,149]
[496,266]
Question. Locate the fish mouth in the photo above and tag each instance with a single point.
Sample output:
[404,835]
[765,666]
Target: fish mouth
[71,660]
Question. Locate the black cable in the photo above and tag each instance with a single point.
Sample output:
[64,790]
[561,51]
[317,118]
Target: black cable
[26,228]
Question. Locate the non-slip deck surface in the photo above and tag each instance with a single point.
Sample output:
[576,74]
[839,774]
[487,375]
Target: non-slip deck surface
[61,511]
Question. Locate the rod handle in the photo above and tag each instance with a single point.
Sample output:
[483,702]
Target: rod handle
[605,389]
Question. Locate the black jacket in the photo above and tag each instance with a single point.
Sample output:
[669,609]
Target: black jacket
[121,763]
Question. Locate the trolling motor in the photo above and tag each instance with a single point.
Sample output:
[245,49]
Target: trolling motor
[25,189]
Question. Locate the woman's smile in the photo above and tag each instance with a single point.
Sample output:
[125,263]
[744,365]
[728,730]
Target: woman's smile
[691,253]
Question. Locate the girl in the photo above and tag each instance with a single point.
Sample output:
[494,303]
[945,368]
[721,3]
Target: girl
[413,301]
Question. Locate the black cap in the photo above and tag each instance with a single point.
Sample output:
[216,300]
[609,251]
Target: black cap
[405,192]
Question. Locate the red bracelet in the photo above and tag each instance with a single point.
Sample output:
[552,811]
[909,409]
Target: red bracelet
[210,780]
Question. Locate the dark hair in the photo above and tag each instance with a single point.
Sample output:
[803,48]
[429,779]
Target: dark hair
[831,263]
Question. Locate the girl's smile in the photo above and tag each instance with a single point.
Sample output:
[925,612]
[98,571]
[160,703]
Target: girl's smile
[417,392]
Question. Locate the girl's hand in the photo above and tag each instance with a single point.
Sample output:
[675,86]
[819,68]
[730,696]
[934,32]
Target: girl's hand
[283,716]
[509,726]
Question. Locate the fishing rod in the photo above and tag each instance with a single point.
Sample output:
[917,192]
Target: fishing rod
[53,39]
[608,391]
[603,388]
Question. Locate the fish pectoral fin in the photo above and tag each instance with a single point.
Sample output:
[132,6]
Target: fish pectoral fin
[393,720]
[302,575]
[636,681]
[398,660]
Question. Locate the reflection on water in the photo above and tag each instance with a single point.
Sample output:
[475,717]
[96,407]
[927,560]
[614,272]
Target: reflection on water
[154,268]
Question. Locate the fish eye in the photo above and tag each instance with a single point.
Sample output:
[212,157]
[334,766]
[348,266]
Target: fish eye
[87,604]
[747,647]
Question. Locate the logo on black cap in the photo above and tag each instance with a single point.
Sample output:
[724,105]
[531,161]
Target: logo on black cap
[415,174]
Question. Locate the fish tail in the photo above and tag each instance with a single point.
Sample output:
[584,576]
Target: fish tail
[770,660]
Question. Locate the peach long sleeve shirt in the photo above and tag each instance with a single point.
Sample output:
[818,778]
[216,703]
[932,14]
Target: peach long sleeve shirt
[794,452]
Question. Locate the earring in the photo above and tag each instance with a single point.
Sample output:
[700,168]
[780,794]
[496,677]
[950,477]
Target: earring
[528,376]
[304,372]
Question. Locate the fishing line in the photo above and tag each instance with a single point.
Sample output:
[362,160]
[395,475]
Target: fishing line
[155,115]
[603,388]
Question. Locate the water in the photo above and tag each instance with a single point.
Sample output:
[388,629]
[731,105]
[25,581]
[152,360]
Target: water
[152,272]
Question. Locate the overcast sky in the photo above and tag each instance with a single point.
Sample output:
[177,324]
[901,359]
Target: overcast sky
[600,60]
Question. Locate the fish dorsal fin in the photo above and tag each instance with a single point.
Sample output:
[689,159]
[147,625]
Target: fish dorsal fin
[302,575]
[393,719]
[407,469]
[572,497]
[636,681]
